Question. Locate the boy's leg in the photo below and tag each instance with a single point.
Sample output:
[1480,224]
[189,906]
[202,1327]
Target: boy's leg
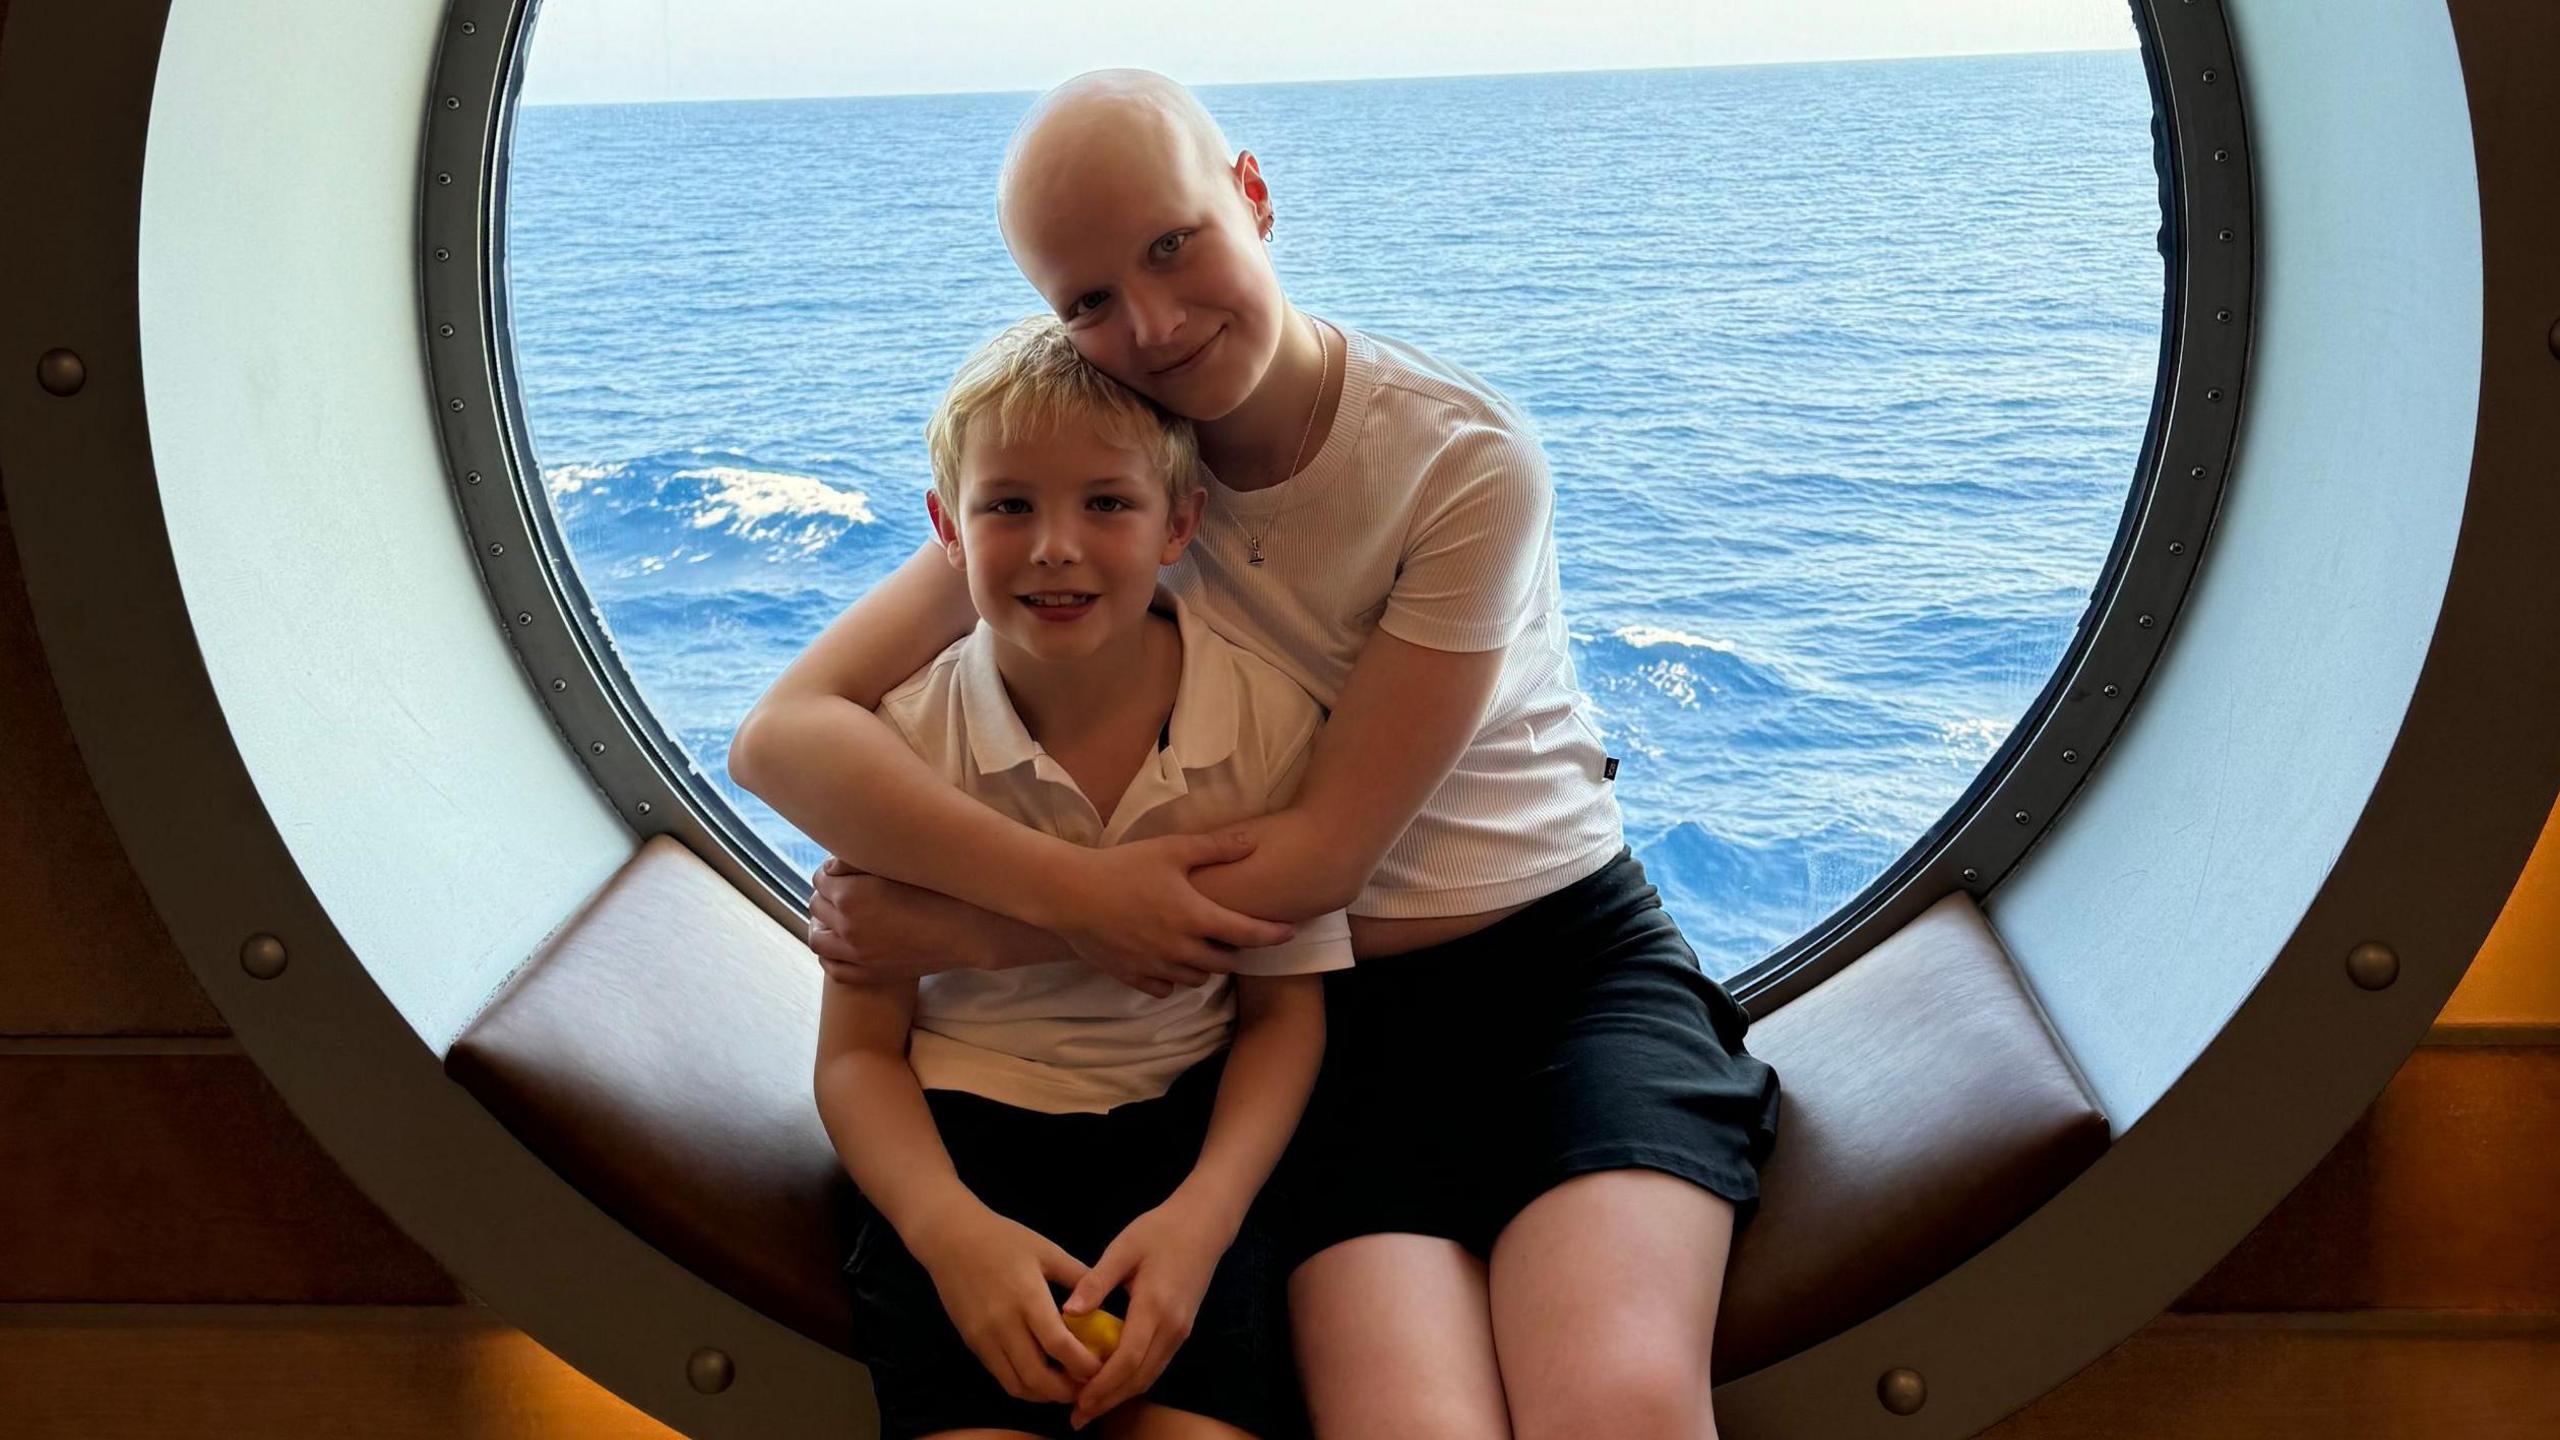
[1604,1297]
[1141,1420]
[1395,1340]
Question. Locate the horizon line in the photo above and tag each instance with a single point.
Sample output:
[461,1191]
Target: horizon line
[1357,79]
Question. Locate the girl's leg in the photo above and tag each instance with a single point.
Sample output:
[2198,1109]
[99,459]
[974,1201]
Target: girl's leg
[1139,1420]
[1604,1293]
[982,1435]
[1394,1339]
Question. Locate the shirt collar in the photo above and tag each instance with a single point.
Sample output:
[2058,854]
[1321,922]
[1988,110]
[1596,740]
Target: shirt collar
[1204,702]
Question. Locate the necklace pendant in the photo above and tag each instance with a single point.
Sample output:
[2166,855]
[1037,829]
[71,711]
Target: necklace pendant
[1256,557]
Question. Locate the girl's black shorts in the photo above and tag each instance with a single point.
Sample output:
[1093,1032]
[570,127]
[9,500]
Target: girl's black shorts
[1077,1179]
[1463,1080]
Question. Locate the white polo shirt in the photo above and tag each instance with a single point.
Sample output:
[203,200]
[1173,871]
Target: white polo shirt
[1064,1037]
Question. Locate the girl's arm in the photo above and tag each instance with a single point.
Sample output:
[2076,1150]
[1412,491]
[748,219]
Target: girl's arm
[812,749]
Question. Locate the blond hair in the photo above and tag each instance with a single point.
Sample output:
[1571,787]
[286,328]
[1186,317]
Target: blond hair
[1029,382]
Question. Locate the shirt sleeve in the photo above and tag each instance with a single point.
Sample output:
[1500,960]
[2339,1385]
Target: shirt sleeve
[1474,562]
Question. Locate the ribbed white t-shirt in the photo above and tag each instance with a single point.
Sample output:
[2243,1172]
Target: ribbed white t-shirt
[1428,513]
[1065,1037]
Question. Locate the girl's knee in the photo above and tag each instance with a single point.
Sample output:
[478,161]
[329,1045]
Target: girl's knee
[1146,1420]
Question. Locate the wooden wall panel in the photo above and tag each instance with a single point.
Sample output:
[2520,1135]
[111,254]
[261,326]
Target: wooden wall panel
[180,1178]
[2270,1378]
[132,1372]
[2445,1195]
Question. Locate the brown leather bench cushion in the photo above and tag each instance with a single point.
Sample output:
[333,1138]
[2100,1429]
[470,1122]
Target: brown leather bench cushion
[657,1053]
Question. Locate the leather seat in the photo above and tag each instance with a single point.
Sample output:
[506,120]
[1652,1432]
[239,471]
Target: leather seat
[657,1053]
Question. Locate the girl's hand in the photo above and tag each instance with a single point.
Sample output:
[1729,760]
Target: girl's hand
[1165,1257]
[993,1276]
[867,929]
[1132,912]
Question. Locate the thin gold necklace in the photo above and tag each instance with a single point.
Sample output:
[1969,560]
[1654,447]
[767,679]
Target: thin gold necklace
[1324,373]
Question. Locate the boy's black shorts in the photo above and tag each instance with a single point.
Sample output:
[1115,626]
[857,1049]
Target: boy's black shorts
[1463,1080]
[1077,1179]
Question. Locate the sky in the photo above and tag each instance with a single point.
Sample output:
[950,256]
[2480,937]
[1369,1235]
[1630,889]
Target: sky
[589,51]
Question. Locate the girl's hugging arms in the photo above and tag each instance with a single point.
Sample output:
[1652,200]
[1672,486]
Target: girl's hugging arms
[992,1273]
[1166,1256]
[1167,910]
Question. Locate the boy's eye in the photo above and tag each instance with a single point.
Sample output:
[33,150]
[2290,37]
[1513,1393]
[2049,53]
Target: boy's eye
[1005,507]
[1110,503]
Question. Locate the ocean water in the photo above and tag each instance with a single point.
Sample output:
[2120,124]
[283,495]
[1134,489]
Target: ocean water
[1842,369]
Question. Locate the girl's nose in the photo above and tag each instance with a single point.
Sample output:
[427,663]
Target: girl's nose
[1153,319]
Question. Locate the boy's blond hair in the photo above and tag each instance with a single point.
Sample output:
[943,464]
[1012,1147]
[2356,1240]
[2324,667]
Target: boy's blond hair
[1029,382]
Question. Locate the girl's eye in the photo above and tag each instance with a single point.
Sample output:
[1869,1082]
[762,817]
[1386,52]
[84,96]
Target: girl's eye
[1175,239]
[1077,306]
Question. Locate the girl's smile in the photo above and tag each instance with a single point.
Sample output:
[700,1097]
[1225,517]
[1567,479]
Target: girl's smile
[1188,362]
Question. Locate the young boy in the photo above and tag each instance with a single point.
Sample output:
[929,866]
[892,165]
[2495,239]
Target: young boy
[1001,1122]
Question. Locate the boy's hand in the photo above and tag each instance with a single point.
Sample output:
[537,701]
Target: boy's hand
[993,1276]
[869,930]
[1165,1257]
[1135,916]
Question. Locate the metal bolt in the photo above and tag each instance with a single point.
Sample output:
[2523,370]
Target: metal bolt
[445,330]
[1902,1390]
[2221,155]
[61,372]
[2143,620]
[709,1370]
[468,28]
[2555,339]
[2195,472]
[471,477]
[2214,394]
[2373,965]
[2107,690]
[262,955]
[2070,757]
[443,254]
[595,747]
[1971,874]
[453,102]
[2208,77]
[497,548]
[2177,547]
[444,177]
[2224,316]
[643,807]
[454,404]
[559,684]
[2020,817]
[2223,235]
[524,617]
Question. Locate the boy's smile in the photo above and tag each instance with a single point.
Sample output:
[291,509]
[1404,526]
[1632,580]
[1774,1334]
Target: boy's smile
[1062,536]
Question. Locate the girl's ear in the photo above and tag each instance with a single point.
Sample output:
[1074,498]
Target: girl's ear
[1257,194]
[1183,524]
[945,531]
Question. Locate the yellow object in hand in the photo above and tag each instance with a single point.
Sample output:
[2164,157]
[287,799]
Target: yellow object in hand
[1098,1329]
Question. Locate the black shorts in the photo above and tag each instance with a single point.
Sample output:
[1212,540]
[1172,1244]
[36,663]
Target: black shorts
[1077,1179]
[1463,1080]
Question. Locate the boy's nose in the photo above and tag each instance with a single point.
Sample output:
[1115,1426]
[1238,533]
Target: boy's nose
[1054,543]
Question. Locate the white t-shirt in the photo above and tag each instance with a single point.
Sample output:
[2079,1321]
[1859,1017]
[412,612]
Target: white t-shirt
[1428,514]
[1064,1037]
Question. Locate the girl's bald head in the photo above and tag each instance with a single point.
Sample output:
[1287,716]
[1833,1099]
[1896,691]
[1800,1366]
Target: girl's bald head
[1126,128]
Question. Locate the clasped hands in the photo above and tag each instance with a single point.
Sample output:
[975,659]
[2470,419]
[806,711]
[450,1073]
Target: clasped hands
[993,1276]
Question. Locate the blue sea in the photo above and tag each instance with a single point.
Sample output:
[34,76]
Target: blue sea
[1843,371]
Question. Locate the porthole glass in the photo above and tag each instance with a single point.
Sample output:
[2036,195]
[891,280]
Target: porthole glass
[1843,348]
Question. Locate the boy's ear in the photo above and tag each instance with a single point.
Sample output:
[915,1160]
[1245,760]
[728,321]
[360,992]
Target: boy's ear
[944,530]
[1183,524]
